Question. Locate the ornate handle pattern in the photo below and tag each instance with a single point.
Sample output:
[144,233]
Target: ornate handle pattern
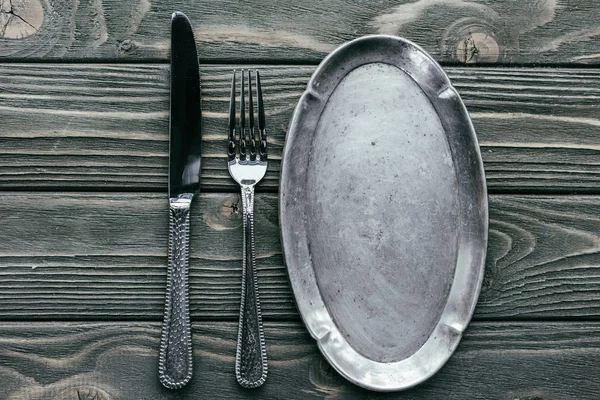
[175,361]
[251,354]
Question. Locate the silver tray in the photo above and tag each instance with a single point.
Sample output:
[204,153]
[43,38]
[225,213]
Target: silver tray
[383,212]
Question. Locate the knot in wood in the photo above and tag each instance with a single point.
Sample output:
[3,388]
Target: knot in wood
[126,46]
[20,18]
[477,47]
[83,393]
[477,39]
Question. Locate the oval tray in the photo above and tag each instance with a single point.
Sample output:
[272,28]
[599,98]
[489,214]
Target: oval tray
[383,212]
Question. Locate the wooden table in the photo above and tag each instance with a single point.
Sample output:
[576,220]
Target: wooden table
[84,102]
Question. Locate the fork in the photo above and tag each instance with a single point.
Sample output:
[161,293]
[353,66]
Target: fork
[247,154]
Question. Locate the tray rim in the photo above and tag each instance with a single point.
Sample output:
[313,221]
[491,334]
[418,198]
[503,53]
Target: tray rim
[455,317]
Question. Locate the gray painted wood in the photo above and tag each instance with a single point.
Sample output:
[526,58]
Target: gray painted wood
[71,255]
[103,257]
[118,360]
[503,31]
[105,126]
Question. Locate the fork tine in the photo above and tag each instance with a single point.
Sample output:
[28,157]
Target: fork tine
[242,120]
[251,127]
[261,119]
[231,146]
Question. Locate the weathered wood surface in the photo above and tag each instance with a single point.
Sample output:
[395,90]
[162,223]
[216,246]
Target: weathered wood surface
[119,361]
[503,31]
[74,132]
[105,127]
[103,256]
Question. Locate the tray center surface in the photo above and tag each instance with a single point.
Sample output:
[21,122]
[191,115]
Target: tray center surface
[382,199]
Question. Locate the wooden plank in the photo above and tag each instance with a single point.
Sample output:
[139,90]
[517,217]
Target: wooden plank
[119,361]
[103,256]
[503,31]
[104,126]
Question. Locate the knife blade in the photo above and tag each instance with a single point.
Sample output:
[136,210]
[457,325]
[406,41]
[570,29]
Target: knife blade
[185,136]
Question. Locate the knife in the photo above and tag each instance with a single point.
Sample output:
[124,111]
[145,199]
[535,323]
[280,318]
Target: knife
[175,360]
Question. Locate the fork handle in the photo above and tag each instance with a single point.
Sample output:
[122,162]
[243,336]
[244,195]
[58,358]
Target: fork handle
[251,353]
[175,361]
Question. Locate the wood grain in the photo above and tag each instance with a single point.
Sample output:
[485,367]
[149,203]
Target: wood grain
[503,31]
[119,361]
[83,181]
[105,127]
[103,256]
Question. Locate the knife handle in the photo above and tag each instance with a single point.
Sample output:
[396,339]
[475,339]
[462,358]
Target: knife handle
[175,361]
[251,352]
